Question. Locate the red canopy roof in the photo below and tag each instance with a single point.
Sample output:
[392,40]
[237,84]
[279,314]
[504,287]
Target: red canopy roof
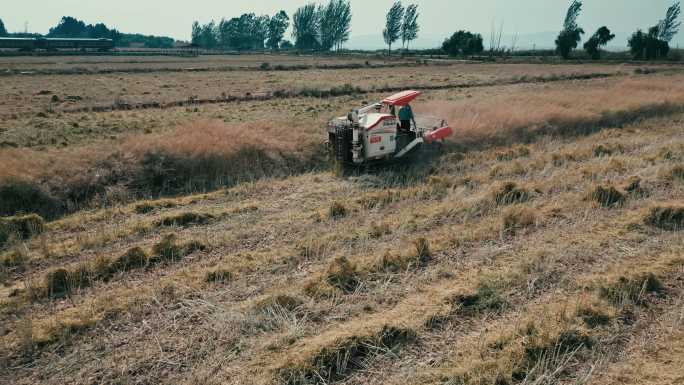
[401,99]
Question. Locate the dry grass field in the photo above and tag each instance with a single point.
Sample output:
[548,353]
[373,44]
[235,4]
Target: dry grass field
[213,243]
[67,64]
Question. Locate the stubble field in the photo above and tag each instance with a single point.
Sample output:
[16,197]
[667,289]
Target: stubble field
[210,241]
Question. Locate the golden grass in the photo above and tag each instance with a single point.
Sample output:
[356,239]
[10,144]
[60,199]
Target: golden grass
[417,268]
[519,114]
[607,196]
[206,154]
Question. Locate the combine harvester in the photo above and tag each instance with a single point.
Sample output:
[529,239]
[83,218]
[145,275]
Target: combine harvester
[374,134]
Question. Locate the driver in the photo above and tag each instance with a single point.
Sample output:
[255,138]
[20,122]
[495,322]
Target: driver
[406,117]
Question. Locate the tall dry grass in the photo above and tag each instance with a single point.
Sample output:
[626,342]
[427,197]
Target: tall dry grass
[193,139]
[207,154]
[521,111]
[216,137]
[198,156]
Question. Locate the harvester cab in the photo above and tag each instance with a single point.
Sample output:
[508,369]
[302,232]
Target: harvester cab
[374,134]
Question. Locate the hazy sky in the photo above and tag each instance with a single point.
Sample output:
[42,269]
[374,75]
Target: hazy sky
[438,17]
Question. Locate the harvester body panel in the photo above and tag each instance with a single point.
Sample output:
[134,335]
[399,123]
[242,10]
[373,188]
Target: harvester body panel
[379,136]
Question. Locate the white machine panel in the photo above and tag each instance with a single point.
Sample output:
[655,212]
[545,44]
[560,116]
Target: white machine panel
[380,141]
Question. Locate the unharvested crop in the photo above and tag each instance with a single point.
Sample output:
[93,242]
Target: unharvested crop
[283,301]
[337,210]
[634,187]
[677,173]
[607,196]
[218,276]
[422,252]
[378,230]
[517,218]
[22,227]
[602,150]
[510,193]
[169,249]
[666,218]
[343,275]
[185,219]
[134,258]
[200,156]
[593,315]
[61,282]
[20,196]
[485,298]
[336,362]
[563,111]
[632,289]
[149,206]
[540,349]
[417,256]
[379,199]
[13,260]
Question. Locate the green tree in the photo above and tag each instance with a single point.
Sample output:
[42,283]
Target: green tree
[570,36]
[343,25]
[69,27]
[276,29]
[334,24]
[207,36]
[305,27]
[647,45]
[99,31]
[463,43]
[286,45]
[196,33]
[3,31]
[259,31]
[656,43]
[326,17]
[598,40]
[669,26]
[247,32]
[410,27]
[227,31]
[392,30]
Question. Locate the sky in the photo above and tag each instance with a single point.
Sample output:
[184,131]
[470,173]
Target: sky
[532,20]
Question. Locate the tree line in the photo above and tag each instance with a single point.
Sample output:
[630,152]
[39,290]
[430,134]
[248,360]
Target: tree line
[248,31]
[314,27]
[327,27]
[72,28]
[653,44]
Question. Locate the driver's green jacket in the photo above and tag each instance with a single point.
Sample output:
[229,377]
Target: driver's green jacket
[406,113]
